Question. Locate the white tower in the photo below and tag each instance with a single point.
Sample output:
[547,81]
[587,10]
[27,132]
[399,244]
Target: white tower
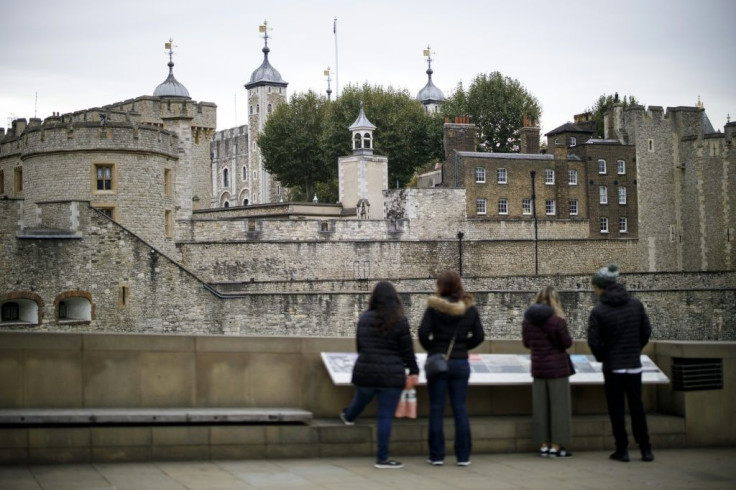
[266,90]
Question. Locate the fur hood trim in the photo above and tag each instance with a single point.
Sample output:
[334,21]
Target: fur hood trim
[454,308]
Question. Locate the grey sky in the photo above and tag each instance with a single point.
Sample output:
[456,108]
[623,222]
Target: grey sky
[78,54]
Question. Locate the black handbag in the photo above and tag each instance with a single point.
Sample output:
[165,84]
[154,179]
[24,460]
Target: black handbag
[436,363]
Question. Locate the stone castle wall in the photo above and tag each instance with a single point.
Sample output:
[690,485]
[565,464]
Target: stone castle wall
[164,297]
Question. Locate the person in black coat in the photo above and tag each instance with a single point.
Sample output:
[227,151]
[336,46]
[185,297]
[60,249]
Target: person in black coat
[450,318]
[544,331]
[385,352]
[618,329]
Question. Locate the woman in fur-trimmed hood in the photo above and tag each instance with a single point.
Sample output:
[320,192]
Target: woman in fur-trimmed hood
[450,314]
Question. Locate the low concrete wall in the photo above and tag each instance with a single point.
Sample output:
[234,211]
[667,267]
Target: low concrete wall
[58,370]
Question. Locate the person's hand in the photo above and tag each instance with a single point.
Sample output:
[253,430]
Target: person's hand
[411,381]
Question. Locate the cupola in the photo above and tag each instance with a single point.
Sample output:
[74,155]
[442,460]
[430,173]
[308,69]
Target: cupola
[171,87]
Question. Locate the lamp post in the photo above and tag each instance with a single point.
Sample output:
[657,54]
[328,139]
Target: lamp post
[460,236]
[533,174]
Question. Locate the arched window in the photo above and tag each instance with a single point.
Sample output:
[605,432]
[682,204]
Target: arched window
[225,178]
[245,172]
[268,108]
[245,201]
[73,306]
[357,141]
[251,109]
[23,310]
[258,108]
[367,141]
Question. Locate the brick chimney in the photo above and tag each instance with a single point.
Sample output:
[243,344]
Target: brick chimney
[460,135]
[529,136]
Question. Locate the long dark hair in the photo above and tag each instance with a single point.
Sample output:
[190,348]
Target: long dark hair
[387,305]
[450,286]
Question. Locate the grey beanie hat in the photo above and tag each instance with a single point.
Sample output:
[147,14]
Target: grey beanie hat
[605,276]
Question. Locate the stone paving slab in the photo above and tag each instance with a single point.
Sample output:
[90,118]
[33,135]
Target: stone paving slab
[674,469]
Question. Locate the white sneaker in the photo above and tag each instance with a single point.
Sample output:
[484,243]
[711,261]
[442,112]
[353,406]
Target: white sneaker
[463,463]
[344,420]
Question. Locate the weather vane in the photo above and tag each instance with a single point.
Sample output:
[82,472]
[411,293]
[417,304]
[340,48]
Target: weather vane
[170,46]
[329,90]
[428,54]
[264,29]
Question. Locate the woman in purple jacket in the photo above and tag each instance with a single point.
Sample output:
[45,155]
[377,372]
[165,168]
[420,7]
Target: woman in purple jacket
[544,331]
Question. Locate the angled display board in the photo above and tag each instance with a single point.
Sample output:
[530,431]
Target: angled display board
[497,369]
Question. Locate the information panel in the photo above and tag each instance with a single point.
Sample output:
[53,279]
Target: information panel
[497,369]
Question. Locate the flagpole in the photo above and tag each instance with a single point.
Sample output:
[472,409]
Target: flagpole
[337,71]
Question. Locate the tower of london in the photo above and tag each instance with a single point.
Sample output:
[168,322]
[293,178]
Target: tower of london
[140,216]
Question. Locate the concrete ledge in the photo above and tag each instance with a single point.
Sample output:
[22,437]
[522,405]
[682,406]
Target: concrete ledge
[95,416]
[319,439]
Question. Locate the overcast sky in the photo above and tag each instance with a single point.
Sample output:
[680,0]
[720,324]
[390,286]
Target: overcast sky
[78,54]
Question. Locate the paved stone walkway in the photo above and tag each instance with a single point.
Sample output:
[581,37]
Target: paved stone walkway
[672,470]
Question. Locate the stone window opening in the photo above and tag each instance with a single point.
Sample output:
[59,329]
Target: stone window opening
[73,307]
[258,108]
[245,173]
[269,108]
[123,295]
[225,178]
[21,308]
[245,201]
[109,210]
[573,141]
[167,182]
[168,223]
[104,178]
[2,182]
[650,145]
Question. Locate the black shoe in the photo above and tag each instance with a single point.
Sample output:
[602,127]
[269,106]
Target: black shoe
[622,456]
[388,464]
[647,455]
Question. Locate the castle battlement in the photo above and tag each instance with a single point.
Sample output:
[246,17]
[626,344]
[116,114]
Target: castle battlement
[71,133]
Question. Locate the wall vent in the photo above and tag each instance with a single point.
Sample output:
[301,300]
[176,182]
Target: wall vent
[697,374]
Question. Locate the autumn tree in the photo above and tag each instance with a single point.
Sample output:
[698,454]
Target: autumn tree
[497,105]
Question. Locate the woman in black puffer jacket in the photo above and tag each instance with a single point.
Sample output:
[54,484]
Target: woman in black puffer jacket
[450,314]
[544,331]
[385,351]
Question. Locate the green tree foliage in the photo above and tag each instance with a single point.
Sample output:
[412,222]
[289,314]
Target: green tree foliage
[291,143]
[405,132]
[603,104]
[303,139]
[497,105]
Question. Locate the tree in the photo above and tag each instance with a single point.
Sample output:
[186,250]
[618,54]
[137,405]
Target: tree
[497,105]
[603,104]
[291,142]
[303,139]
[405,132]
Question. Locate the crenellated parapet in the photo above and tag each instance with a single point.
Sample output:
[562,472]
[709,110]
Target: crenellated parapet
[58,136]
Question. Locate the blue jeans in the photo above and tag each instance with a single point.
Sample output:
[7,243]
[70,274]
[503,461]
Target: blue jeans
[388,399]
[456,383]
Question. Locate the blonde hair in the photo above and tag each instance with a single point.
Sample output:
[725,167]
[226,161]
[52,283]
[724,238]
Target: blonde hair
[548,296]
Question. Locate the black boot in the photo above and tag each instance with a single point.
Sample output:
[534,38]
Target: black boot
[620,455]
[646,453]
